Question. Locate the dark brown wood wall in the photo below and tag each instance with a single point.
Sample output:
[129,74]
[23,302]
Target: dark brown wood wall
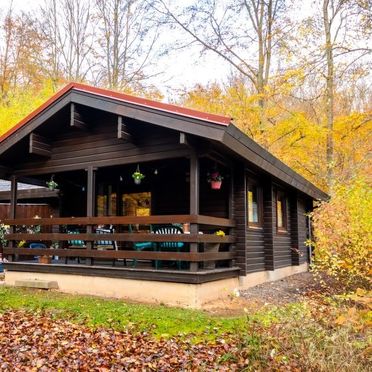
[282,240]
[99,146]
[27,210]
[240,218]
[302,230]
[268,223]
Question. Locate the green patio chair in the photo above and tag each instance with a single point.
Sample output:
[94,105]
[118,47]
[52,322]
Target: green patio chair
[170,246]
[74,243]
[140,246]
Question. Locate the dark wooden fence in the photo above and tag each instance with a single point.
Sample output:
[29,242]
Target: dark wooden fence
[86,225]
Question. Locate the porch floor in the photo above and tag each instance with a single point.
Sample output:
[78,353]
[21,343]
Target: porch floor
[142,271]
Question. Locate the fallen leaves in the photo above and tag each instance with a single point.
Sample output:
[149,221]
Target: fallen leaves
[37,342]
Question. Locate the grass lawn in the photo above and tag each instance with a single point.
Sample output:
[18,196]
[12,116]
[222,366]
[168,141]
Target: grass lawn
[321,333]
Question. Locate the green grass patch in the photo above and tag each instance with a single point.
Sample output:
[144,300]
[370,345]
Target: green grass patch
[321,334]
[160,321]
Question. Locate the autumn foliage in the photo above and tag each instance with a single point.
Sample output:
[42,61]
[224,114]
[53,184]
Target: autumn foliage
[343,235]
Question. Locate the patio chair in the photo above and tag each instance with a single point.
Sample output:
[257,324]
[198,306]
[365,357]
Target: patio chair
[36,246]
[106,244]
[170,246]
[140,246]
[75,243]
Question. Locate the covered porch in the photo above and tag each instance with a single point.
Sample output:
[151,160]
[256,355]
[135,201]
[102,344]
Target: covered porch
[109,226]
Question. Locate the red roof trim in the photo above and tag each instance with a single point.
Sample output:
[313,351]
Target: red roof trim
[183,111]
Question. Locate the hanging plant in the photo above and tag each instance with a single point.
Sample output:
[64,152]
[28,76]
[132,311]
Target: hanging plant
[138,176]
[51,184]
[215,179]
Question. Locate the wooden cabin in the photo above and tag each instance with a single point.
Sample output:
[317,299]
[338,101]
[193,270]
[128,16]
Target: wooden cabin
[156,203]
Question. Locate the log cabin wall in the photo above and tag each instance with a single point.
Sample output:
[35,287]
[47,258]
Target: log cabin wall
[255,238]
[240,215]
[28,210]
[303,209]
[282,240]
[99,146]
[268,223]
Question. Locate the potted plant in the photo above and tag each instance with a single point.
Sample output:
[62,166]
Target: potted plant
[212,248]
[51,184]
[215,179]
[138,176]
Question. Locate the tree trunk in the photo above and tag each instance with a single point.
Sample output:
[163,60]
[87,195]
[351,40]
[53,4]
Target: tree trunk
[329,94]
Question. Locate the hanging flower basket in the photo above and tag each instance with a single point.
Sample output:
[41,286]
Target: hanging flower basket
[138,176]
[215,179]
[52,185]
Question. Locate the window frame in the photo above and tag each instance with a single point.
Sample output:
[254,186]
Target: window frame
[283,198]
[254,184]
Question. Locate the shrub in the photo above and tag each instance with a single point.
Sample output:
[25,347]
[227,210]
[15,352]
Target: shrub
[343,235]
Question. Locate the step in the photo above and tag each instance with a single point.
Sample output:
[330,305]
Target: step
[36,283]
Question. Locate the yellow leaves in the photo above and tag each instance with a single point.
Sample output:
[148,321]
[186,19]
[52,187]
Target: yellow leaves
[21,102]
[340,320]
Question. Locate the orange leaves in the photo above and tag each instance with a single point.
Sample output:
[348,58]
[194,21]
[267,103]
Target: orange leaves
[39,343]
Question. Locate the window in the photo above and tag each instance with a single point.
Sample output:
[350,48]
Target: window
[254,201]
[281,211]
[136,204]
[106,202]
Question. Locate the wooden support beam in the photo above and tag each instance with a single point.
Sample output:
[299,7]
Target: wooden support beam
[123,132]
[194,202]
[183,139]
[39,145]
[12,211]
[91,197]
[76,119]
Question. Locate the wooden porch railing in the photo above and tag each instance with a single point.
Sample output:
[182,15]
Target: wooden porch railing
[205,223]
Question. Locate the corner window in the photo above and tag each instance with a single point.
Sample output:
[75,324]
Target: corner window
[254,205]
[281,211]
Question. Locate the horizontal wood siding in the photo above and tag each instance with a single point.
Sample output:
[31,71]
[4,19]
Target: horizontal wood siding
[27,211]
[282,240]
[269,224]
[302,231]
[240,220]
[99,146]
[295,239]
[255,250]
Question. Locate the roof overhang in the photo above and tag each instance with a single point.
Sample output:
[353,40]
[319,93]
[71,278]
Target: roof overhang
[213,127]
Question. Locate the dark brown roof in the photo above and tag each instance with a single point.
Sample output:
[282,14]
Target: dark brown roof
[166,107]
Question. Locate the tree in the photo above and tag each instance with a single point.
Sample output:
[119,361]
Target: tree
[68,30]
[245,34]
[340,61]
[126,40]
[19,53]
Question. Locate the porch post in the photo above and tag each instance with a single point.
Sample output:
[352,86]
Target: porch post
[231,212]
[194,203]
[91,181]
[13,209]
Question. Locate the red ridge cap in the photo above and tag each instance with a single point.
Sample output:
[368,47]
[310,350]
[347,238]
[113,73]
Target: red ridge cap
[166,107]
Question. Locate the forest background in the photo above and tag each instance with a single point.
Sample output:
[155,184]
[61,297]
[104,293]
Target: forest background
[294,75]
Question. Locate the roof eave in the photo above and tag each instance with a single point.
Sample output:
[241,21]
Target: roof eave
[251,151]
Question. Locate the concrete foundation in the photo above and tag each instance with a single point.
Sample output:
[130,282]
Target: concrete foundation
[147,291]
[253,279]
[172,294]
